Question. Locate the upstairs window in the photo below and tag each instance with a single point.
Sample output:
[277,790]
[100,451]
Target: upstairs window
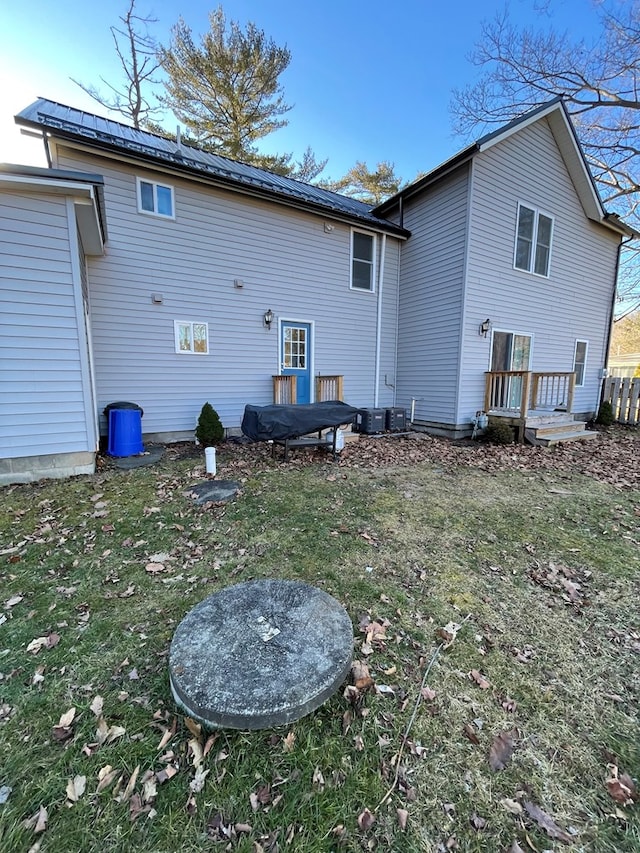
[362,260]
[533,241]
[580,362]
[156,199]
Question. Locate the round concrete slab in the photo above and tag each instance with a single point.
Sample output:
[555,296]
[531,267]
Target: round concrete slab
[260,654]
[214,490]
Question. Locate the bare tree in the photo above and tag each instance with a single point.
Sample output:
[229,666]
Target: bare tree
[600,84]
[137,53]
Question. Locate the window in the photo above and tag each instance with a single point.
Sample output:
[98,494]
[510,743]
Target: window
[154,198]
[580,362]
[191,337]
[533,241]
[362,260]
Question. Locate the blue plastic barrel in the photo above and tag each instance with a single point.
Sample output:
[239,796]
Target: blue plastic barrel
[124,421]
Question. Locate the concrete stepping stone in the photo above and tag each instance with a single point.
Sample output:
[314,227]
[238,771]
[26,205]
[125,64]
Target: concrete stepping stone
[214,490]
[260,654]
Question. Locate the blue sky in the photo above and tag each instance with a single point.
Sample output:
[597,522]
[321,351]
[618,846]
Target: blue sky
[369,80]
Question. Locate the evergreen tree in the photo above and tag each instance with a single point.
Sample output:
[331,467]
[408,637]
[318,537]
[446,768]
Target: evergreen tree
[371,187]
[226,89]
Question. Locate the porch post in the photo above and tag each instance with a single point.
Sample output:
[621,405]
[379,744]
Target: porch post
[524,404]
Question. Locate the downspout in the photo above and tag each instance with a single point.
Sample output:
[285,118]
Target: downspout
[611,313]
[379,320]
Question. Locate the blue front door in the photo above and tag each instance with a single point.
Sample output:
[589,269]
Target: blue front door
[295,352]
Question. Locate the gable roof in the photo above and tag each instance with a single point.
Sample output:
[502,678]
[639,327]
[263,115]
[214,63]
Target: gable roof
[63,122]
[567,141]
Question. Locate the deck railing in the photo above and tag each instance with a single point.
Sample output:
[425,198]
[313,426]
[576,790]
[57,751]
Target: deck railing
[284,390]
[329,388]
[513,393]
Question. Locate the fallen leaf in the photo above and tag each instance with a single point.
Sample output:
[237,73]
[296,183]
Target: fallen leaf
[470,733]
[403,816]
[11,602]
[448,633]
[512,806]
[477,822]
[361,676]
[106,776]
[515,848]
[366,820]
[289,742]
[96,705]
[197,783]
[547,823]
[428,694]
[41,821]
[502,749]
[620,786]
[76,788]
[479,679]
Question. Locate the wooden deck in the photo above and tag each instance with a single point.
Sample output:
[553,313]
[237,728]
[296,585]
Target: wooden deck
[538,405]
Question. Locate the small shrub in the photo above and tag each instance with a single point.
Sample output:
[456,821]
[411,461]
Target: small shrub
[209,430]
[605,414]
[499,433]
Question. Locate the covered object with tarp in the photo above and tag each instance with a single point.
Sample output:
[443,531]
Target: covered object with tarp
[278,423]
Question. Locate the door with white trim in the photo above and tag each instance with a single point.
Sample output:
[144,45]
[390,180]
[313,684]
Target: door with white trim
[295,356]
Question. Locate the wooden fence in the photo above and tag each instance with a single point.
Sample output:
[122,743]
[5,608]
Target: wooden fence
[624,395]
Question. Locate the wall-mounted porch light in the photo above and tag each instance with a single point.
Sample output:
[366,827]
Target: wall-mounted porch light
[485,327]
[268,318]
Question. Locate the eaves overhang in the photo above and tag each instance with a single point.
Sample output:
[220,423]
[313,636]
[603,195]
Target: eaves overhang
[94,133]
[84,189]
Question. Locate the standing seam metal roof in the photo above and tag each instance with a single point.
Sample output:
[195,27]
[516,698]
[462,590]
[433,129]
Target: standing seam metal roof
[114,136]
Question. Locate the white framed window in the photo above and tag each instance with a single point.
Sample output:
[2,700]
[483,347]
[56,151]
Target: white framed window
[363,253]
[580,361]
[155,199]
[191,337]
[534,233]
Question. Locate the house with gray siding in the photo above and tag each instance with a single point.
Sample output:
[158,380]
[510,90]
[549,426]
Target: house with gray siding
[138,268]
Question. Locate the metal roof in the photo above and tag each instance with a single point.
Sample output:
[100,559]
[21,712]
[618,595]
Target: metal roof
[69,123]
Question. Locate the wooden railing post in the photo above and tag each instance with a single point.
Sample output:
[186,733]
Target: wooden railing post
[524,403]
[572,385]
[488,382]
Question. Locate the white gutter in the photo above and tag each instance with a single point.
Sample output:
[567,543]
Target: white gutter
[379,320]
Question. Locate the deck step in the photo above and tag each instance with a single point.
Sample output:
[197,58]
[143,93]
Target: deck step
[533,436]
[545,430]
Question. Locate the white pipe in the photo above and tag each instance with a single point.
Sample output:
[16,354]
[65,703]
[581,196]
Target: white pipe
[210,460]
[379,320]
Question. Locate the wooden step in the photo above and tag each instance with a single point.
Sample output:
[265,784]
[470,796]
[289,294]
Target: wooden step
[533,437]
[556,428]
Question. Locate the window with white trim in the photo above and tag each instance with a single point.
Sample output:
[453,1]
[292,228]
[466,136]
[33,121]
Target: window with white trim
[533,241]
[191,337]
[155,199]
[580,361]
[362,260]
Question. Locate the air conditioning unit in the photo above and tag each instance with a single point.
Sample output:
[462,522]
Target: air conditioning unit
[369,421]
[395,419]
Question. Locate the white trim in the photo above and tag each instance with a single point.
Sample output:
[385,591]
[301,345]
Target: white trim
[312,342]
[176,336]
[534,239]
[374,250]
[586,356]
[155,211]
[89,402]
[376,390]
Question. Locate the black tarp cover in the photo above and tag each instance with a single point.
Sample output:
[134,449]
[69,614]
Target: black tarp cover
[262,423]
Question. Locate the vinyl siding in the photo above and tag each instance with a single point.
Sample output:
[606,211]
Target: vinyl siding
[572,303]
[42,395]
[431,300]
[288,263]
